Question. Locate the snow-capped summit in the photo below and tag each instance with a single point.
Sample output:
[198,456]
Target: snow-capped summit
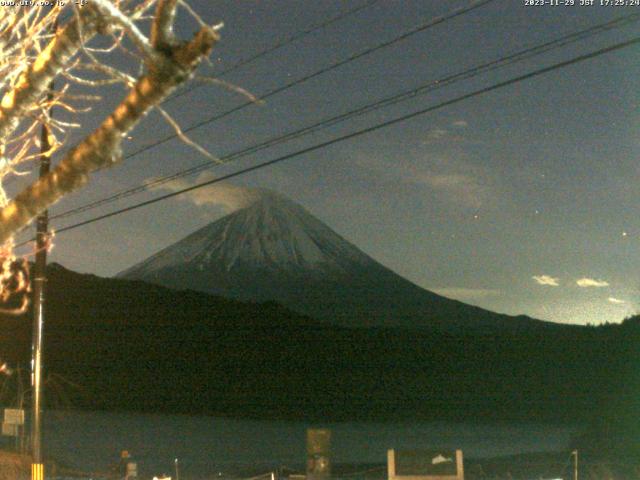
[271,233]
[273,249]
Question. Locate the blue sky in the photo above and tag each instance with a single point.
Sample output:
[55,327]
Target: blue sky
[522,200]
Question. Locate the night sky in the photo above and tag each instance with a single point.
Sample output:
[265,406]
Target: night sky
[520,200]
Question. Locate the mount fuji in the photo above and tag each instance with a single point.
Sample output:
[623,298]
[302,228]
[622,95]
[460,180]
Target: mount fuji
[275,250]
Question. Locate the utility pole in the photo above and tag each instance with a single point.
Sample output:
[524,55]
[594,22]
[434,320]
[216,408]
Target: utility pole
[39,295]
[39,291]
[575,464]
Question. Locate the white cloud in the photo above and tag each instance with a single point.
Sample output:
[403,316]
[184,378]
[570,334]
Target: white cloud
[455,180]
[462,188]
[466,293]
[546,280]
[617,301]
[227,196]
[591,282]
[436,134]
[460,124]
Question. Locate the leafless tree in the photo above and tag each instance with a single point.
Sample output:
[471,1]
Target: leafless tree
[71,45]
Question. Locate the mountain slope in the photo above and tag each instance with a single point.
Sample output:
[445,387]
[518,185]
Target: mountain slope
[276,250]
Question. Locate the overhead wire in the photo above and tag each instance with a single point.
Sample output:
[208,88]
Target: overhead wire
[280,44]
[412,93]
[358,133]
[368,51]
[473,5]
[272,48]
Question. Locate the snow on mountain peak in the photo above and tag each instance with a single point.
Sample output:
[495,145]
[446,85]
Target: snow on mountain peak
[270,232]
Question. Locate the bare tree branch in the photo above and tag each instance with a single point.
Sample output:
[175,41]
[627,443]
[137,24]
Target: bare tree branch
[162,28]
[170,65]
[35,79]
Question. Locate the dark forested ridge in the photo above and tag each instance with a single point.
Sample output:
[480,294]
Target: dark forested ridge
[134,346]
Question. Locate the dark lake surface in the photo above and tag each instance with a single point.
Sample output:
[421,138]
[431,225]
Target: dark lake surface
[211,446]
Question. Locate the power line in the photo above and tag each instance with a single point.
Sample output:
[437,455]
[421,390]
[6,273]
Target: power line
[298,36]
[266,51]
[281,44]
[431,23]
[425,26]
[430,86]
[358,133]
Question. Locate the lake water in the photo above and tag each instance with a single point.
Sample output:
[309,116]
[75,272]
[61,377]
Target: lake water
[205,446]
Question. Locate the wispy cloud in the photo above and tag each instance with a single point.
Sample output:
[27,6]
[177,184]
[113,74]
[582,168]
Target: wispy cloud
[546,280]
[591,282]
[460,293]
[436,134]
[445,167]
[451,134]
[227,196]
[455,180]
[461,188]
[616,301]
